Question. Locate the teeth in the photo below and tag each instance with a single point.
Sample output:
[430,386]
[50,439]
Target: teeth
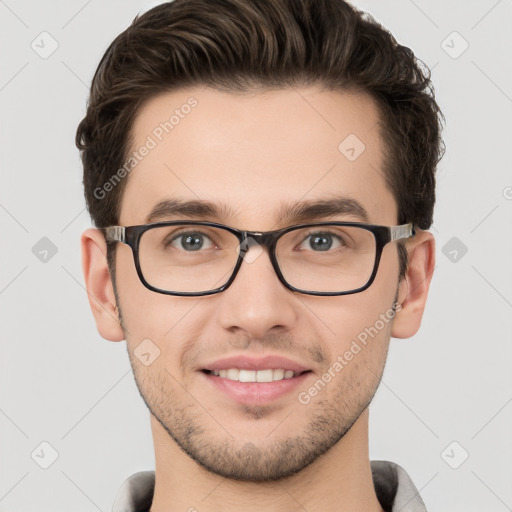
[267,375]
[263,375]
[247,376]
[231,374]
[278,374]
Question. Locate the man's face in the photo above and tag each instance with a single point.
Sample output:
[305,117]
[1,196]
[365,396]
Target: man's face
[257,154]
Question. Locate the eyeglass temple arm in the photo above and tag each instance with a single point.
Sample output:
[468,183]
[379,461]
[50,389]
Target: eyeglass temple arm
[403,231]
[115,234]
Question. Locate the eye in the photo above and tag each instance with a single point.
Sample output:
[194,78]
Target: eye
[191,241]
[323,241]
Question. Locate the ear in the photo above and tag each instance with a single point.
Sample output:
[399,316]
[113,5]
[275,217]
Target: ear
[413,288]
[99,285]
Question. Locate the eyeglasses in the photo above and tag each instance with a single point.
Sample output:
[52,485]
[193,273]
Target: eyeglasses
[202,258]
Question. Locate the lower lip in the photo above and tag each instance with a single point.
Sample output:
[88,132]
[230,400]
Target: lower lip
[255,392]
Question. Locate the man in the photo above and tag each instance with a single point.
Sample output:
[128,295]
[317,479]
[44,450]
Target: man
[262,172]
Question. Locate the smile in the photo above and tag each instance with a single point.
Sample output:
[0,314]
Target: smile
[265,375]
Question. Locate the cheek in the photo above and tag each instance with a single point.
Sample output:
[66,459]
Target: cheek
[363,337]
[349,380]
[166,321]
[359,325]
[145,313]
[351,317]
[159,329]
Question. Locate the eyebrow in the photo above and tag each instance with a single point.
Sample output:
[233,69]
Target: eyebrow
[295,213]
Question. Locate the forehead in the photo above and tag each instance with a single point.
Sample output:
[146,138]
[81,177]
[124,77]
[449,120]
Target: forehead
[255,154]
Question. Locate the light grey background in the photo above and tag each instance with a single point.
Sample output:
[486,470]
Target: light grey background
[60,383]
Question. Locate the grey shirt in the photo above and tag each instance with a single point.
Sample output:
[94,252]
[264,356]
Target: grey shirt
[394,489]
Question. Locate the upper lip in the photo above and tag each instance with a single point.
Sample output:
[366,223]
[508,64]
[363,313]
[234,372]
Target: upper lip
[256,363]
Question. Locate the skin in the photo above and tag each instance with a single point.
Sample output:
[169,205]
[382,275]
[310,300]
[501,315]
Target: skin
[256,152]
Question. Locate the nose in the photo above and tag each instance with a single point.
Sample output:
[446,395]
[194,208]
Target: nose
[256,301]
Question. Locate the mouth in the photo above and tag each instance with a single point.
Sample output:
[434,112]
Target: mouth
[264,375]
[256,387]
[251,379]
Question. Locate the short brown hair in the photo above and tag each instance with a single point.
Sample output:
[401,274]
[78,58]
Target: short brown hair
[239,45]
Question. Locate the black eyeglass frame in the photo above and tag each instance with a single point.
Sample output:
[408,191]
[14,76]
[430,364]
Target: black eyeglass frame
[131,235]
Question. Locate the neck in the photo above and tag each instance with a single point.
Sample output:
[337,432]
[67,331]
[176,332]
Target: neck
[340,480]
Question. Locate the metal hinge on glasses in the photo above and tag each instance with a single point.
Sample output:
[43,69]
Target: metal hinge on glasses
[115,234]
[405,231]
